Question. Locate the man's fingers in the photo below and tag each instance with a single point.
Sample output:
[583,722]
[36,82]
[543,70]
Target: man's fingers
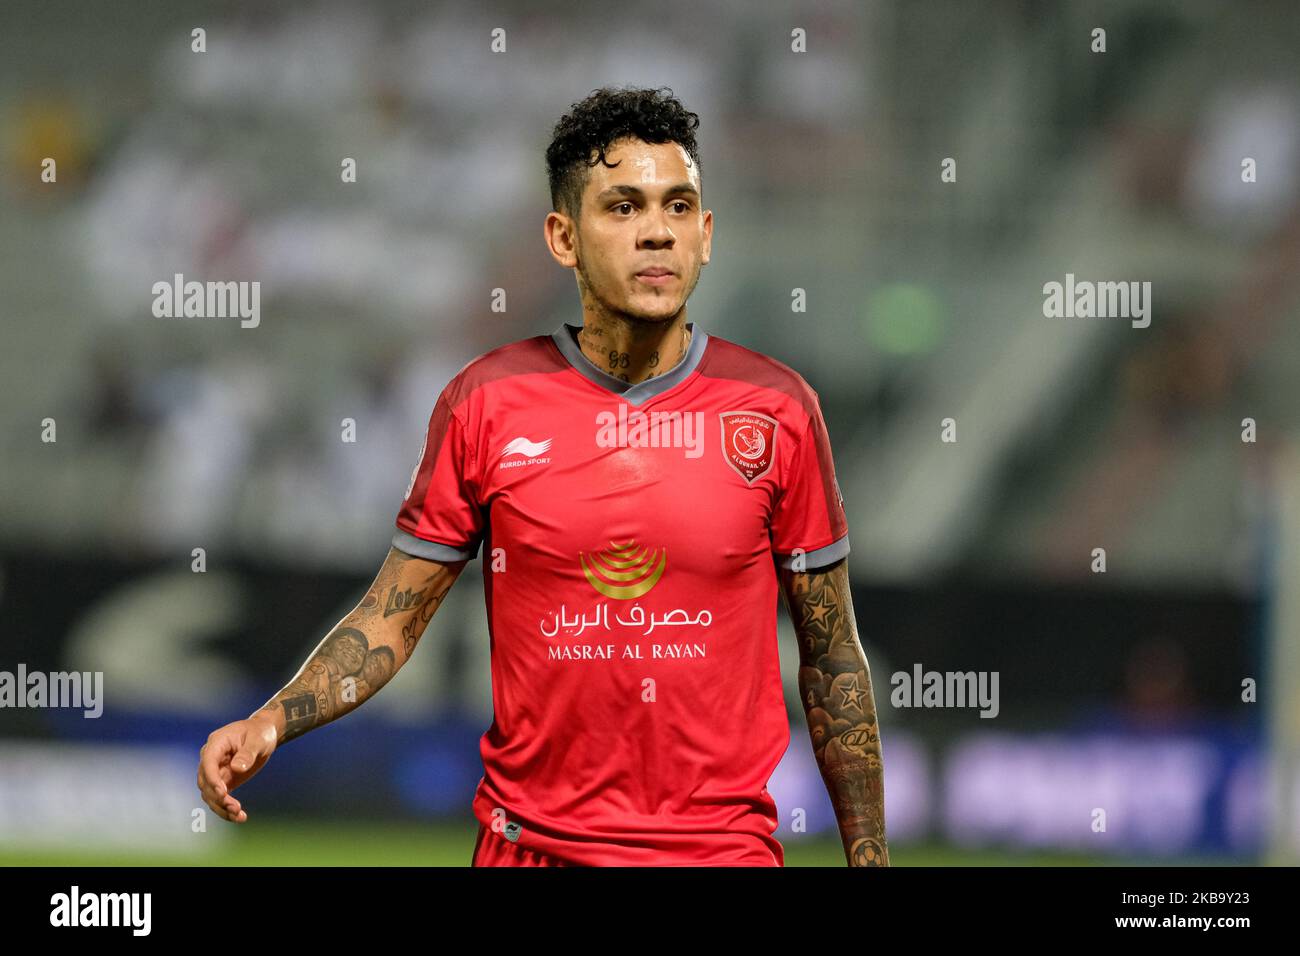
[214,754]
[236,811]
[216,808]
[207,782]
[227,807]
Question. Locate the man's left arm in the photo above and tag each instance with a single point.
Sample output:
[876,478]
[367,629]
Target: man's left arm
[835,687]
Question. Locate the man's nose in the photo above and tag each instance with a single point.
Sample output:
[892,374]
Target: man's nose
[658,233]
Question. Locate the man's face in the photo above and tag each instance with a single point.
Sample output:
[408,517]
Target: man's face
[644,214]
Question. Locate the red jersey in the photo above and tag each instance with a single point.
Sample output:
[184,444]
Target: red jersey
[629,534]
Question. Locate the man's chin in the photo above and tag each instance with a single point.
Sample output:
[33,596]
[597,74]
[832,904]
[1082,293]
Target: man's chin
[662,315]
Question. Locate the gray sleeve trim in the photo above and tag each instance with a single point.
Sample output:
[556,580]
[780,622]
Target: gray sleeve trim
[819,558]
[432,550]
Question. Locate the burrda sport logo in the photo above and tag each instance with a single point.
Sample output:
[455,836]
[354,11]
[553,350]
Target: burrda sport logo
[529,452]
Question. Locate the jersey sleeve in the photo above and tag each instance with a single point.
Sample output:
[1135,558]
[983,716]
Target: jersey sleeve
[441,517]
[809,515]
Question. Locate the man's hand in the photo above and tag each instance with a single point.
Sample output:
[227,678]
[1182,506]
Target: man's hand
[355,660]
[231,756]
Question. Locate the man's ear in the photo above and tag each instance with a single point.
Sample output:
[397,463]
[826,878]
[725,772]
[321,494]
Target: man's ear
[560,234]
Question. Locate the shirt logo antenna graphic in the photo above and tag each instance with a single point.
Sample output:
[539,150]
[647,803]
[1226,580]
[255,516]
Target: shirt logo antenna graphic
[623,571]
[748,441]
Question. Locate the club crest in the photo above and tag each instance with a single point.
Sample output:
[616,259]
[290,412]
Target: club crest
[748,443]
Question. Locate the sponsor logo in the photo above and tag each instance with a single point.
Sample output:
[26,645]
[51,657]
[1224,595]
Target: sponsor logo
[624,571]
[529,449]
[748,443]
[529,452]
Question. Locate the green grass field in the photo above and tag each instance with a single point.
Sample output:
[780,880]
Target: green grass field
[293,843]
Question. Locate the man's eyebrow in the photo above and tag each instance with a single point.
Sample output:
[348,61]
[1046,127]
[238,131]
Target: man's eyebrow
[635,192]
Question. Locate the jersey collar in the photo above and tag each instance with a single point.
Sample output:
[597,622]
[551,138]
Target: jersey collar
[566,340]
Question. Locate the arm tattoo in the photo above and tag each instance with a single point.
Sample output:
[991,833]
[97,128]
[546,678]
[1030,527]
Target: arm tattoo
[835,688]
[343,672]
[353,661]
[413,628]
[402,600]
[419,604]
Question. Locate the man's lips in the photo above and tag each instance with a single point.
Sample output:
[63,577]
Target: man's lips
[656,275]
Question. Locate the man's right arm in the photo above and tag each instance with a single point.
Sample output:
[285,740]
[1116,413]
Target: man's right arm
[366,648]
[359,655]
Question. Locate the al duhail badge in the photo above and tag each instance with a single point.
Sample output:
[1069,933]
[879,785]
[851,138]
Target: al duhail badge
[748,442]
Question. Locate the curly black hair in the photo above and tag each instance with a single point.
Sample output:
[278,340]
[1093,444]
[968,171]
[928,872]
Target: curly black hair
[605,116]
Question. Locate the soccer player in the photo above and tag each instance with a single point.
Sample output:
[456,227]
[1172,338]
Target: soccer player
[639,491]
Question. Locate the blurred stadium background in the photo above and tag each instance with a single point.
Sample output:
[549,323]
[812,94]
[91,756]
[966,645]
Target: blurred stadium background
[1121,690]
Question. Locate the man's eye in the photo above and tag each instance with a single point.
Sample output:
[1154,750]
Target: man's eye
[622,204]
[683,203]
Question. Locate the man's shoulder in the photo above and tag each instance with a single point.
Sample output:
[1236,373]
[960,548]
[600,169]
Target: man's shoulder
[731,360]
[536,353]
